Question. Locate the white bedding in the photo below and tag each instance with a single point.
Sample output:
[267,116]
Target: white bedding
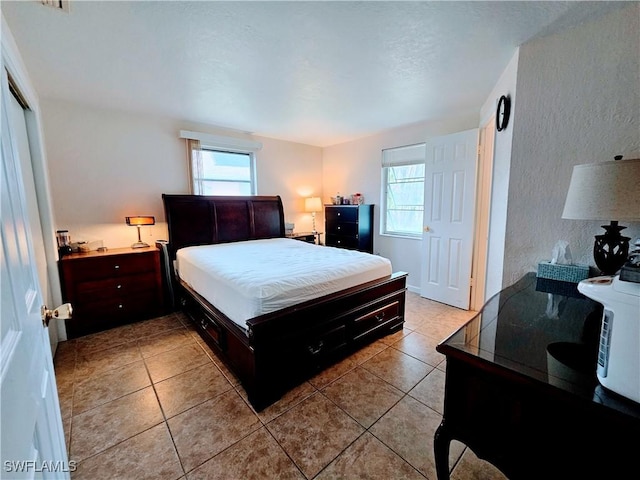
[247,279]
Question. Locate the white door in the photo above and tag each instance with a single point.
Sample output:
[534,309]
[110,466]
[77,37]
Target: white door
[32,443]
[449,183]
[483,213]
[20,137]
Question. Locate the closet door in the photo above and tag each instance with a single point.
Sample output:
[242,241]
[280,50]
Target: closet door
[32,435]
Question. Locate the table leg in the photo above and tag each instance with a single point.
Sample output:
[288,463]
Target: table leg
[441,444]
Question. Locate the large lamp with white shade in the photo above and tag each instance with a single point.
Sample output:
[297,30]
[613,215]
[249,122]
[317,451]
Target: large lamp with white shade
[606,191]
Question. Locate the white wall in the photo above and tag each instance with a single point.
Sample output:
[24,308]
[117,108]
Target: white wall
[506,85]
[293,171]
[364,175]
[106,164]
[578,102]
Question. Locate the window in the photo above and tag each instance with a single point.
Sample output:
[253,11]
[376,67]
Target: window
[224,173]
[403,190]
[220,165]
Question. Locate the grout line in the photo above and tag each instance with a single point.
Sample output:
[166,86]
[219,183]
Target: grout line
[261,424]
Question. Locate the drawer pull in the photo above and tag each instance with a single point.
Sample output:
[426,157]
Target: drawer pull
[316,350]
[338,213]
[339,227]
[119,287]
[120,306]
[116,267]
[203,324]
[380,317]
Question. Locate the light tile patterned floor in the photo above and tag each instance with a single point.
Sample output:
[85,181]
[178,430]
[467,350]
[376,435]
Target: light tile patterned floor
[151,400]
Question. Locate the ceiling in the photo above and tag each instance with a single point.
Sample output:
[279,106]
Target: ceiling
[318,73]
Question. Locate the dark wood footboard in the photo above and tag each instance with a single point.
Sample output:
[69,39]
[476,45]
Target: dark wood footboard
[282,349]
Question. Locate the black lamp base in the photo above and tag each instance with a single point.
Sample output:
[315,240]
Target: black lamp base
[610,251]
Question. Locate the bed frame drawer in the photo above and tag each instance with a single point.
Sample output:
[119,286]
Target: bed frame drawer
[206,325]
[326,345]
[212,330]
[379,318]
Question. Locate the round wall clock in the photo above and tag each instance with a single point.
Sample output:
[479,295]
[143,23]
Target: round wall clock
[502,113]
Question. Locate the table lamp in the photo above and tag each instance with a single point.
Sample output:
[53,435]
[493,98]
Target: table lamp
[313,205]
[606,191]
[140,221]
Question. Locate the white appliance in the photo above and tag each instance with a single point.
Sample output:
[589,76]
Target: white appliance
[619,351]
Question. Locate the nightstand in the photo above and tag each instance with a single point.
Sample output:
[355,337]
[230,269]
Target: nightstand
[111,288]
[309,237]
[349,226]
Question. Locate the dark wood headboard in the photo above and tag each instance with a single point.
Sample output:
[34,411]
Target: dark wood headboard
[205,220]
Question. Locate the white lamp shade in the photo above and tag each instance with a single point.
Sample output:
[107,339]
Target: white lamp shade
[312,204]
[604,191]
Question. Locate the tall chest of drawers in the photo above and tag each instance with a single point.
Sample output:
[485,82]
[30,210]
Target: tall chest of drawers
[349,226]
[111,288]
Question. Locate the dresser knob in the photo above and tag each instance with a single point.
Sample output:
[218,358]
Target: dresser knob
[116,267]
[119,286]
[338,213]
[339,228]
[120,306]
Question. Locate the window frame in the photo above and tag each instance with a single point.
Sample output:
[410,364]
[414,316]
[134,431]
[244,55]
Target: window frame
[198,141]
[212,148]
[414,154]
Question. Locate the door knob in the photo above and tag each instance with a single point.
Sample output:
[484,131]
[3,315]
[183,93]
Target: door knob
[63,312]
[427,229]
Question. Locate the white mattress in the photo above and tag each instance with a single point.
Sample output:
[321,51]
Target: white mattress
[247,279]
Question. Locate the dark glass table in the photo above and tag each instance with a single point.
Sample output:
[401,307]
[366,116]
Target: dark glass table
[521,389]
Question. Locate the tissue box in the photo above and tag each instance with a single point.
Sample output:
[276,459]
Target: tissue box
[288,228]
[564,273]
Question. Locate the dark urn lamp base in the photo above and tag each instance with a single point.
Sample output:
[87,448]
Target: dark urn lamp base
[611,249]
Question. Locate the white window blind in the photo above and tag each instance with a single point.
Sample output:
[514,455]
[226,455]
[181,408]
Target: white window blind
[408,155]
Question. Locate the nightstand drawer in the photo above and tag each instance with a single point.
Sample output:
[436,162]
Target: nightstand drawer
[341,241]
[112,266]
[117,307]
[341,214]
[342,228]
[119,286]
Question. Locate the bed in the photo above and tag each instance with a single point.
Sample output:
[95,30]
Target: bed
[276,334]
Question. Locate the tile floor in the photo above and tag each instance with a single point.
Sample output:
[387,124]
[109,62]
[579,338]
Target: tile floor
[151,400]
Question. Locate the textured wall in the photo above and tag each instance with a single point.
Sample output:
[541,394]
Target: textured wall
[578,102]
[500,181]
